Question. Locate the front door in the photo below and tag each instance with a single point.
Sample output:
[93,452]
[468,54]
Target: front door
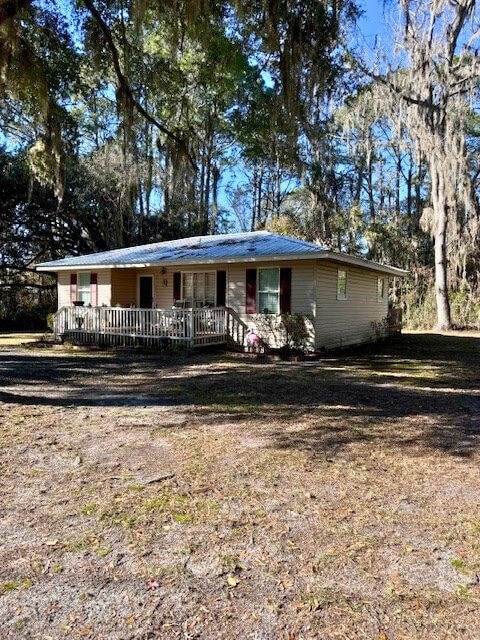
[146,292]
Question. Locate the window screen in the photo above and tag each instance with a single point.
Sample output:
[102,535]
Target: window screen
[83,287]
[199,289]
[269,290]
[381,288]
[341,284]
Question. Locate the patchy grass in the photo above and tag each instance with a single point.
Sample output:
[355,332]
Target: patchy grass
[18,339]
[215,497]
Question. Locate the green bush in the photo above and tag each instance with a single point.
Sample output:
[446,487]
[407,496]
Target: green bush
[297,334]
[286,332]
[465,308]
[422,313]
[50,319]
[24,310]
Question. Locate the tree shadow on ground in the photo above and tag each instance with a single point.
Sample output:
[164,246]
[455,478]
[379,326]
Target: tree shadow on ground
[418,391]
[434,359]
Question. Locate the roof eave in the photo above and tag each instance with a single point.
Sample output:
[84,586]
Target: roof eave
[364,263]
[321,254]
[183,261]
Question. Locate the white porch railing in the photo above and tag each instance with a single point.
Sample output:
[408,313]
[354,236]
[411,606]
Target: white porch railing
[118,325]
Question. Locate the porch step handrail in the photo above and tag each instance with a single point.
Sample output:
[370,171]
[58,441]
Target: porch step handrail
[236,328]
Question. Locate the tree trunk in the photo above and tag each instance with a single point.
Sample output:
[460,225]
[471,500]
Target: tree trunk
[254,200]
[215,181]
[444,320]
[440,221]
[278,185]
[409,199]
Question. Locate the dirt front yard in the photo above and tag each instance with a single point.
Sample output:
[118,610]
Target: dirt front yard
[214,496]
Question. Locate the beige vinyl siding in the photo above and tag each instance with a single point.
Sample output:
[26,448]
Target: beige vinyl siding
[63,288]
[103,284]
[163,285]
[104,287]
[125,284]
[344,322]
[303,287]
[314,293]
[163,281]
[303,296]
[303,291]
[124,287]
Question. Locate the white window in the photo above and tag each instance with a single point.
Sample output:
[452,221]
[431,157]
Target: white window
[268,291]
[341,284]
[83,287]
[199,288]
[380,289]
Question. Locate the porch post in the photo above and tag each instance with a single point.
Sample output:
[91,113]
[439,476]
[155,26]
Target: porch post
[191,333]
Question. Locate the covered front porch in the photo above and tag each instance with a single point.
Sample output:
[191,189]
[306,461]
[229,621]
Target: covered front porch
[192,327]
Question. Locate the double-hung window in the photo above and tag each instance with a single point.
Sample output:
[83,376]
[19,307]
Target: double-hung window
[84,287]
[380,289]
[268,291]
[341,284]
[199,288]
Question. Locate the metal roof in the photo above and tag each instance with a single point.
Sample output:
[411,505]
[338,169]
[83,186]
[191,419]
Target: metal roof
[231,247]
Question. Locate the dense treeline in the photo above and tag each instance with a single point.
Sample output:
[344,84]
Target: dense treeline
[128,121]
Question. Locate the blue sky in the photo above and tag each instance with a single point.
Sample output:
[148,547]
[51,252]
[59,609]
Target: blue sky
[375,23]
[372,20]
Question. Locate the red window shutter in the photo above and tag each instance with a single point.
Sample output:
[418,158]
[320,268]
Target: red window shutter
[221,288]
[285,290]
[73,287]
[94,289]
[177,286]
[251,291]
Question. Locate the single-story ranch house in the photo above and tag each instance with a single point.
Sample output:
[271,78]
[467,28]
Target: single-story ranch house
[212,289]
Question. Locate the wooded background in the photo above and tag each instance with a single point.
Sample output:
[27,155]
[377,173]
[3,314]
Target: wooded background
[132,121]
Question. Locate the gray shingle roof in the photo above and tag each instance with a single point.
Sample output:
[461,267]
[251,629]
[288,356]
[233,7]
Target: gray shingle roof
[232,247]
